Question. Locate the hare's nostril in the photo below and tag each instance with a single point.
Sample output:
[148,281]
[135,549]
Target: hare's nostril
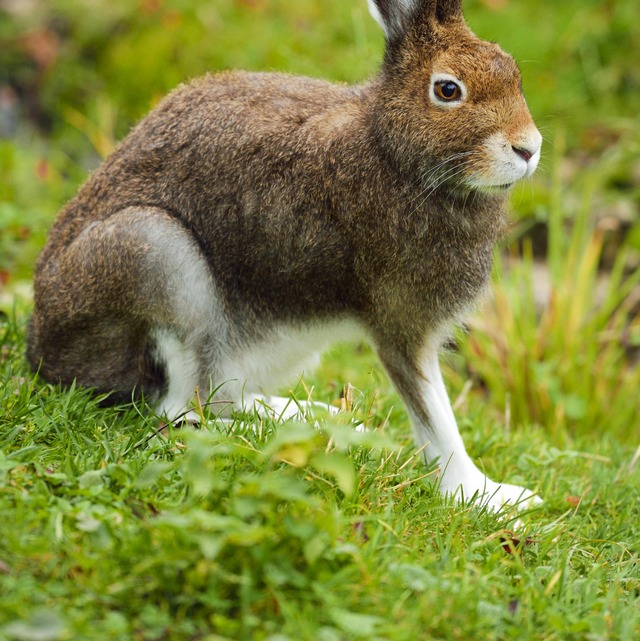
[525,154]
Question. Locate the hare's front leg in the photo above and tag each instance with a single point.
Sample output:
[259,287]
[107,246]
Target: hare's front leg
[420,384]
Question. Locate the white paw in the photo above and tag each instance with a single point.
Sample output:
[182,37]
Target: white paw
[500,496]
[489,494]
[284,409]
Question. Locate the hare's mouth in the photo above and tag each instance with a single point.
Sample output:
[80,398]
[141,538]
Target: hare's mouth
[494,189]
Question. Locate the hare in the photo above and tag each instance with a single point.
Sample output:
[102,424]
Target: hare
[253,218]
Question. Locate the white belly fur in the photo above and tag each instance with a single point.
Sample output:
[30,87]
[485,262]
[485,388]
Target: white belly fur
[287,352]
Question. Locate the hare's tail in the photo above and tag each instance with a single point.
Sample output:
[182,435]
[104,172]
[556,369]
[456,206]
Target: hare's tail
[111,356]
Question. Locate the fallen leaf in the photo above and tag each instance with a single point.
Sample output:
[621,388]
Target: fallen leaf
[495,4]
[43,170]
[511,542]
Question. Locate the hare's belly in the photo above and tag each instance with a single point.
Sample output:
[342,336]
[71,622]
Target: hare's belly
[235,370]
[194,337]
[283,353]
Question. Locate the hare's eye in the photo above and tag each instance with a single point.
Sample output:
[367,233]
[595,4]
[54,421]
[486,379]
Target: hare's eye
[447,91]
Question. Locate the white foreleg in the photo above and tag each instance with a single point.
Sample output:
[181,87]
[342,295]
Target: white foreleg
[436,433]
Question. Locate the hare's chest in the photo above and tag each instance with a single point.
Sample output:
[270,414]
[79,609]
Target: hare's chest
[463,272]
[444,281]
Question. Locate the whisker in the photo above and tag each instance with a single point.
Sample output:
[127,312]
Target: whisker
[430,189]
[435,169]
[435,176]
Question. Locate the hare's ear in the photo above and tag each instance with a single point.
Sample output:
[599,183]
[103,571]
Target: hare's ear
[394,16]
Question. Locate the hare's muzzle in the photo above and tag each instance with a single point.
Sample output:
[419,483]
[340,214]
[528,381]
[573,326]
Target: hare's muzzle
[505,159]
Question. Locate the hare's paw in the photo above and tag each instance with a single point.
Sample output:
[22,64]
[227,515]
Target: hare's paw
[189,418]
[499,497]
[284,409]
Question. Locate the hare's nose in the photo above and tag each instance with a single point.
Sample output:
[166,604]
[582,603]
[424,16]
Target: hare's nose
[524,153]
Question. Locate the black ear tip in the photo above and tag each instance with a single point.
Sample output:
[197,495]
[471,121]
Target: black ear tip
[448,9]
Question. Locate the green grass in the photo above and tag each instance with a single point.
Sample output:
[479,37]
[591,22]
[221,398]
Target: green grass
[111,531]
[290,532]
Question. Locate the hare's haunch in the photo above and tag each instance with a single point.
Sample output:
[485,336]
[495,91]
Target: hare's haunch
[252,219]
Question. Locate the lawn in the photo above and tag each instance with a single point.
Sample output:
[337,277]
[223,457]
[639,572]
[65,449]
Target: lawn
[112,529]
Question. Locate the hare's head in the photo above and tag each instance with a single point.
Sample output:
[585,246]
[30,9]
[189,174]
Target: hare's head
[452,107]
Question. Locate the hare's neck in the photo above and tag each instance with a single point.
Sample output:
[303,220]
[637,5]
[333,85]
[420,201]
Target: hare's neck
[450,217]
[465,209]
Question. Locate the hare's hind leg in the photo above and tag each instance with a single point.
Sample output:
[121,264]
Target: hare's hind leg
[182,373]
[188,328]
[129,297]
[420,383]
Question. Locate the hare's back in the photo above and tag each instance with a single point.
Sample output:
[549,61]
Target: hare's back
[257,102]
[226,131]
[208,141]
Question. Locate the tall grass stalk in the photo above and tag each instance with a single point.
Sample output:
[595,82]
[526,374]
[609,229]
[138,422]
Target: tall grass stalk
[565,366]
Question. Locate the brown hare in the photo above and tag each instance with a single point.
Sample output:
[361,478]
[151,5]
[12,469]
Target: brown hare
[253,218]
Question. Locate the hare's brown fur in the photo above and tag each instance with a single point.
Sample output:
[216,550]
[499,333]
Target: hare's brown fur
[276,163]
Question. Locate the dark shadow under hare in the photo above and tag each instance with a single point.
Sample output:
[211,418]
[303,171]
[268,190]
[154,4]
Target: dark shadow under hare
[251,219]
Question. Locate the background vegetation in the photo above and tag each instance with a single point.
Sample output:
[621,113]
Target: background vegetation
[107,532]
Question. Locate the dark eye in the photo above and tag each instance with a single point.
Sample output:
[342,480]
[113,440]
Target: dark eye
[447,91]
